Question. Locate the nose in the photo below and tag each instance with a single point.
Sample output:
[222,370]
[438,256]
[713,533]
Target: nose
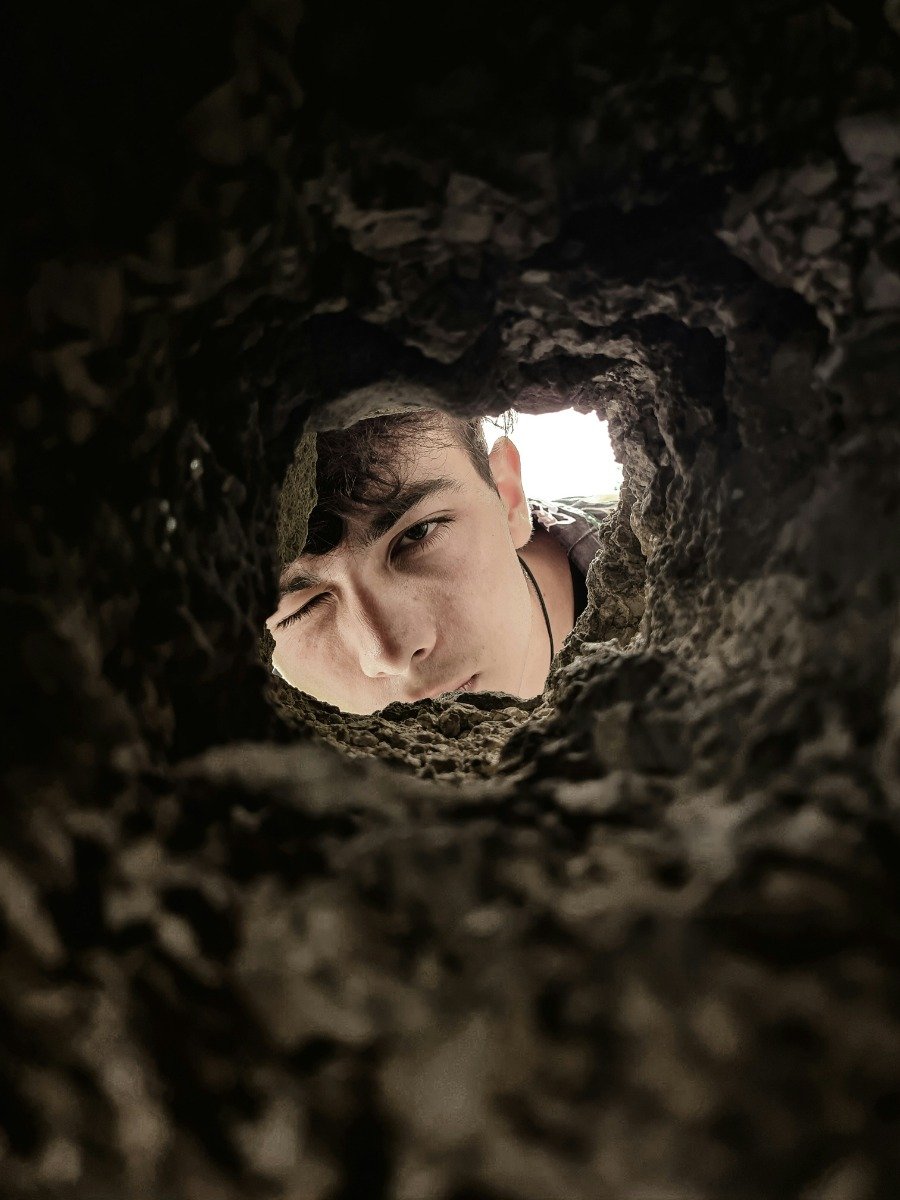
[391,629]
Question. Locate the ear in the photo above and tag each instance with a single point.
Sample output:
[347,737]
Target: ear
[506,468]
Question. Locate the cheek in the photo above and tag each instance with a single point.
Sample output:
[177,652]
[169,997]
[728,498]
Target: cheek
[483,593]
[312,661]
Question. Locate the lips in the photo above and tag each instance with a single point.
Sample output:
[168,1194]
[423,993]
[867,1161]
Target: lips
[466,685]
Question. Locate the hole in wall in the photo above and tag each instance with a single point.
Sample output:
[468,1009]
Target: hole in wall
[441,612]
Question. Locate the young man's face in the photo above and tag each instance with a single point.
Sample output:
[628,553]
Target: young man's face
[435,602]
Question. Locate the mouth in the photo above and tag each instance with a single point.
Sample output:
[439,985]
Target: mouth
[467,685]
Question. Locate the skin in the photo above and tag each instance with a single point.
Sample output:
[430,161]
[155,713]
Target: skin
[437,603]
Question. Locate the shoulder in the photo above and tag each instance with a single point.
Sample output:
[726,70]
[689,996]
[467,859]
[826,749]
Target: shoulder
[575,522]
[580,511]
[595,508]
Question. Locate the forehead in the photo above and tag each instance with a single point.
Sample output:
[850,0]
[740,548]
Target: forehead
[416,452]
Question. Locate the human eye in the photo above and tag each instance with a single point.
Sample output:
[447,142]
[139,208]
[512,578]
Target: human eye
[423,535]
[301,611]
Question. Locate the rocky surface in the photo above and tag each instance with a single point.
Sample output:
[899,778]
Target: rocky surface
[637,940]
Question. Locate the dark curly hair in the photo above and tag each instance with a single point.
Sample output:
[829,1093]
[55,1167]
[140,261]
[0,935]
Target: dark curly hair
[361,465]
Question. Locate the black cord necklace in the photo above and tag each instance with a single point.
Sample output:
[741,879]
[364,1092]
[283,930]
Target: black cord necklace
[541,598]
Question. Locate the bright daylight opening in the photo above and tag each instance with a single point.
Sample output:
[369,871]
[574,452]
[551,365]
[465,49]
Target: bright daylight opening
[564,454]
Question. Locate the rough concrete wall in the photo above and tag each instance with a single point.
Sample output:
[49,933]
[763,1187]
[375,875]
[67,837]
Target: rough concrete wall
[650,949]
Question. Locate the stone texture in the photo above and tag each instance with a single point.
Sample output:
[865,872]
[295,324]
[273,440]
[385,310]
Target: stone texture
[637,939]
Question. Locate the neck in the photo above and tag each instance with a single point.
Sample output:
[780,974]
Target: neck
[546,616]
[550,566]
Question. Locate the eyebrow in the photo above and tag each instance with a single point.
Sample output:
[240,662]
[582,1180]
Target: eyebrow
[382,520]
